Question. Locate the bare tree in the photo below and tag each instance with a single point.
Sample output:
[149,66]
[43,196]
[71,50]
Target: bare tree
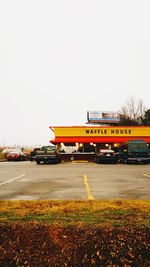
[142,109]
[133,112]
[132,108]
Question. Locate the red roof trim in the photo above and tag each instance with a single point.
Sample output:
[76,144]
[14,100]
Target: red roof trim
[114,139]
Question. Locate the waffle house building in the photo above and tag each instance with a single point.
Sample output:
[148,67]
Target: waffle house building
[102,130]
[86,140]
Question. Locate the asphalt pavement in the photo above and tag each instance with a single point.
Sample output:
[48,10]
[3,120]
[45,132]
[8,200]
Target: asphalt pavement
[73,180]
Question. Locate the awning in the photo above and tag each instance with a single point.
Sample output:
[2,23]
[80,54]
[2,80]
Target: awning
[87,140]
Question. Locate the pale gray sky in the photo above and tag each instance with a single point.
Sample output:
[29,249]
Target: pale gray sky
[59,59]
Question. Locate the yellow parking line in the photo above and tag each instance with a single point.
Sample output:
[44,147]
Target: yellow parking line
[146,175]
[89,194]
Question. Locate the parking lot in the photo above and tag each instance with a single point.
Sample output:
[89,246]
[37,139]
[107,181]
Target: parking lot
[73,180]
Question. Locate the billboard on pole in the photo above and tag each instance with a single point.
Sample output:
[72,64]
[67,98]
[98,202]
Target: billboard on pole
[103,117]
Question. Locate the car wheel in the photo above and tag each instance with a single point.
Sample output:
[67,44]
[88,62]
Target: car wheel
[126,161]
[57,161]
[38,162]
[97,160]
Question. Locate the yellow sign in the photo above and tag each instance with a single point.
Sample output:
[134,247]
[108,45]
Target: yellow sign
[101,131]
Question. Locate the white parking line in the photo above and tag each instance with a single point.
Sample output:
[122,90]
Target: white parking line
[11,180]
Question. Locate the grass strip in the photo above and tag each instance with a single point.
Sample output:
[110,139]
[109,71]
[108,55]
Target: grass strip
[112,212]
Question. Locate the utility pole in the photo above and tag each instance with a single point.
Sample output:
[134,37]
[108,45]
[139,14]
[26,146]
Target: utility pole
[4,142]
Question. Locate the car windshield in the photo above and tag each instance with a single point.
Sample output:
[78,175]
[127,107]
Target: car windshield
[138,147]
[50,148]
[106,151]
[15,152]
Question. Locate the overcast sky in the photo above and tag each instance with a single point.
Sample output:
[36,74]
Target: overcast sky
[59,59]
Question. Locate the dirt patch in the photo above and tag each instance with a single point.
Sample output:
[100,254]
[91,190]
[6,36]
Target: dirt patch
[35,244]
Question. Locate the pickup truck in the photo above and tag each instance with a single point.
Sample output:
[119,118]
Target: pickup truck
[47,154]
[135,151]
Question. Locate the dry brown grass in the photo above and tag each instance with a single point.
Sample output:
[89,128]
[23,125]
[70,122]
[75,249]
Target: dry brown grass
[45,206]
[75,233]
[97,211]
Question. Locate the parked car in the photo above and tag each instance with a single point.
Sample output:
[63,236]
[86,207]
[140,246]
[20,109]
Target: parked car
[106,156]
[16,155]
[134,151]
[48,154]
